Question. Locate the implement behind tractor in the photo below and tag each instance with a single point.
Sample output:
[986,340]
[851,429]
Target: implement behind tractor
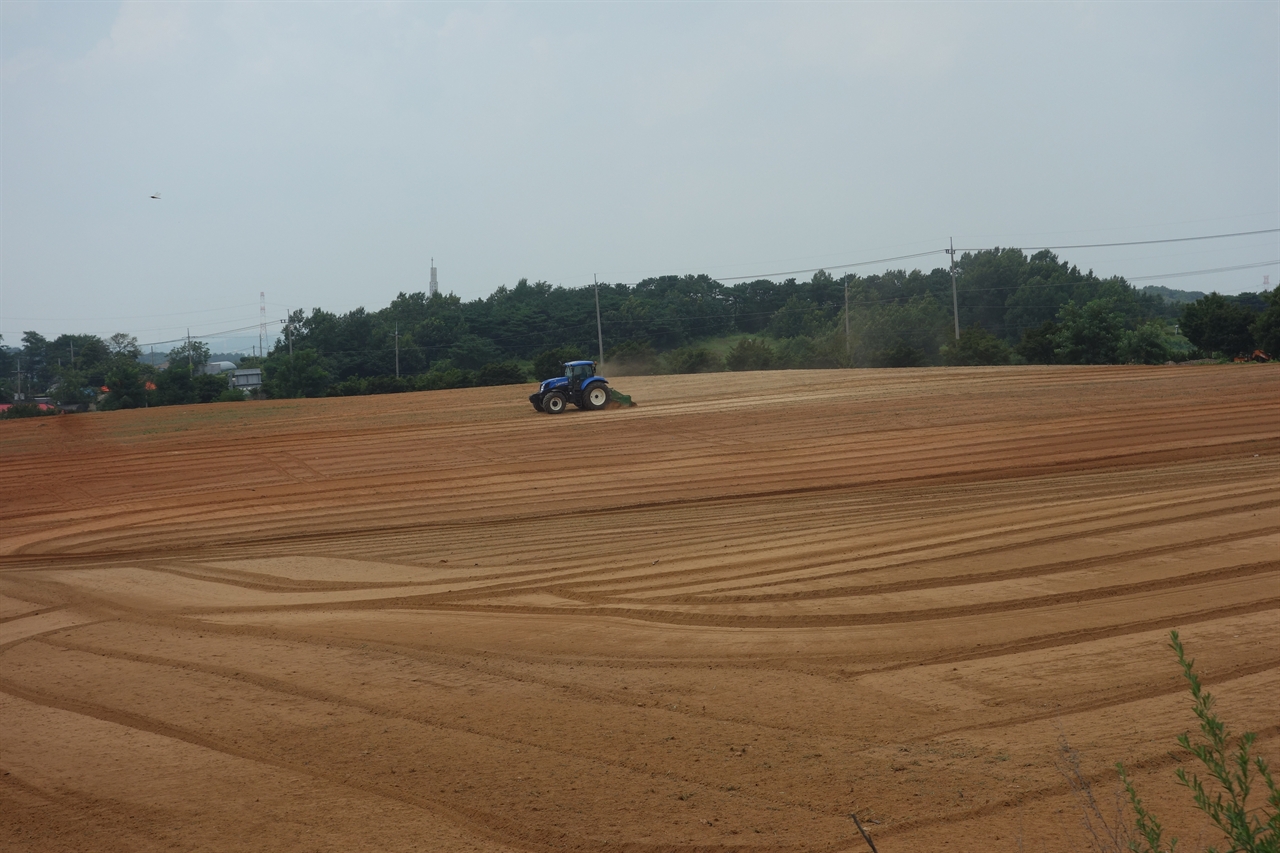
[579,386]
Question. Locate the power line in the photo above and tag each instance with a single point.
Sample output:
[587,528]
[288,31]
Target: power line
[1203,272]
[201,337]
[186,313]
[1024,249]
[1146,242]
[833,267]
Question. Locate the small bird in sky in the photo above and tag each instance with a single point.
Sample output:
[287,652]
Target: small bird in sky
[157,195]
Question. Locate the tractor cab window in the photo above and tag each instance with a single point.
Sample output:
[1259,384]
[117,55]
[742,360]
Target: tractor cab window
[579,371]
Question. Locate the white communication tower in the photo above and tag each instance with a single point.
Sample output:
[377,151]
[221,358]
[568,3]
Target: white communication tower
[434,287]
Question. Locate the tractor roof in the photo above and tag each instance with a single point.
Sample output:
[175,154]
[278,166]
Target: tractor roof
[577,363]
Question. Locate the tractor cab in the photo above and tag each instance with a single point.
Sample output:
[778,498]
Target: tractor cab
[578,372]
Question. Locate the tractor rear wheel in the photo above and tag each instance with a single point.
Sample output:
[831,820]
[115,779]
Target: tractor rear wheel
[595,397]
[553,403]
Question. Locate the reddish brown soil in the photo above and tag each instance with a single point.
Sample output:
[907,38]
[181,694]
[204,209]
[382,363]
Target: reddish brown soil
[723,620]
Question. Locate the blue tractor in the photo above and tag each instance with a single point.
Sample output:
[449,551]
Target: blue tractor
[579,386]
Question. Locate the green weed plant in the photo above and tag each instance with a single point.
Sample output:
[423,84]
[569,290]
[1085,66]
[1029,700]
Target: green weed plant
[1232,772]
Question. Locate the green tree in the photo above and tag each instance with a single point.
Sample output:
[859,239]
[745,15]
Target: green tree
[976,346]
[444,375]
[1038,299]
[550,363]
[174,386]
[633,358]
[208,387]
[1088,335]
[472,352]
[35,369]
[8,366]
[124,345]
[87,354]
[501,373]
[693,359]
[194,354]
[684,308]
[752,304]
[1036,345]
[381,385]
[28,410]
[1266,328]
[987,280]
[72,388]
[900,354]
[751,354]
[805,353]
[898,334]
[299,375]
[799,316]
[1218,324]
[126,386]
[352,387]
[1147,344]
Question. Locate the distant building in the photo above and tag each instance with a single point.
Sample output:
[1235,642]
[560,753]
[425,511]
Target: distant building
[213,368]
[245,379]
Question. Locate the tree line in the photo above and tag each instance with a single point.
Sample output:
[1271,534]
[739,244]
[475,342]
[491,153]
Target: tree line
[79,370]
[1013,308]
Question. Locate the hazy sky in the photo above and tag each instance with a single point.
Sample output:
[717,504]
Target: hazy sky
[324,153]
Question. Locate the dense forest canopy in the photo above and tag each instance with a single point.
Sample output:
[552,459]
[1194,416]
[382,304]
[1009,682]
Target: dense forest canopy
[1013,308]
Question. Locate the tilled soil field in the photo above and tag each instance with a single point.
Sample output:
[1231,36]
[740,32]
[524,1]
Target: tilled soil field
[724,620]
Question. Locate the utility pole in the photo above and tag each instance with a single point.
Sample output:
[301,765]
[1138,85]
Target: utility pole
[599,328]
[288,329]
[955,300]
[397,349]
[191,365]
[19,394]
[848,352]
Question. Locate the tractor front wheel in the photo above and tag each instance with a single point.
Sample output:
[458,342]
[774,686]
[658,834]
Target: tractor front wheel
[553,403]
[595,397]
